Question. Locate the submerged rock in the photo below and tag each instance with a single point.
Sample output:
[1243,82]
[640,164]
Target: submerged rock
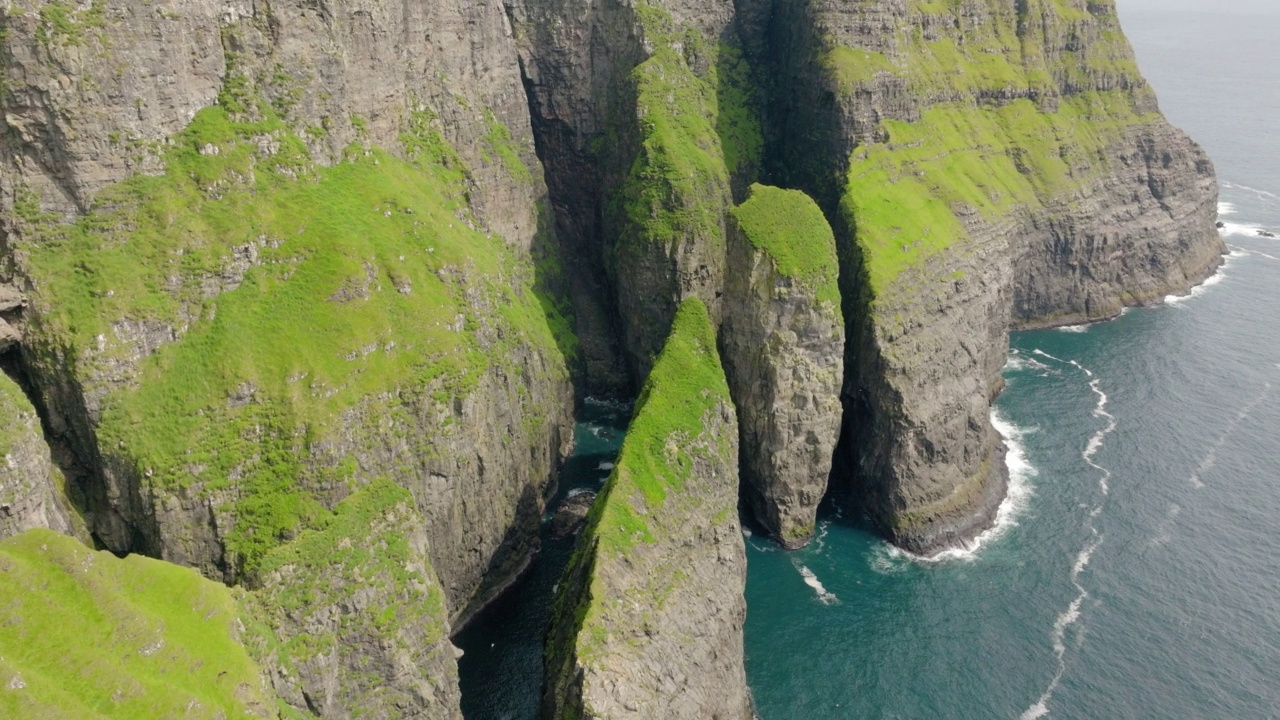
[571,515]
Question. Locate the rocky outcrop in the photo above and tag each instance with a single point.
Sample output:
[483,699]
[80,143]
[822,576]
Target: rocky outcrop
[1145,230]
[11,304]
[356,623]
[87,634]
[571,515]
[1032,182]
[648,617]
[32,489]
[783,346]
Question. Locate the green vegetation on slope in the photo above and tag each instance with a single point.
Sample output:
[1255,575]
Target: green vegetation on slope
[363,567]
[292,293]
[975,147]
[992,46]
[18,415]
[668,432]
[86,635]
[686,384]
[903,197]
[696,132]
[790,227]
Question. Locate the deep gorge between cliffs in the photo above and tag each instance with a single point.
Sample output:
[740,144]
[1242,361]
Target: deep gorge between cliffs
[341,309]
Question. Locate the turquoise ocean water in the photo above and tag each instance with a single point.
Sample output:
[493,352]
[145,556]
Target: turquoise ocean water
[1135,572]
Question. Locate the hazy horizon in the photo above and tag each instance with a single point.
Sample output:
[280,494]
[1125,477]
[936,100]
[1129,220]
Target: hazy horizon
[1261,7]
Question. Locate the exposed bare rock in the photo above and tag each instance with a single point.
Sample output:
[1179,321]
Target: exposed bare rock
[571,515]
[32,489]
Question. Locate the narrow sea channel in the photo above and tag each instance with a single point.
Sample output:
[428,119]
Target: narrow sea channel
[501,666]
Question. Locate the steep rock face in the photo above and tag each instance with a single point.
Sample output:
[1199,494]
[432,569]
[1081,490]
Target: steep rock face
[648,618]
[647,120]
[11,304]
[1034,172]
[85,634]
[95,90]
[356,620]
[783,346]
[323,279]
[32,490]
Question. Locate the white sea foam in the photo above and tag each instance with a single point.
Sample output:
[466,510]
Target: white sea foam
[1203,287]
[1211,458]
[607,403]
[1264,194]
[820,539]
[1244,251]
[1016,498]
[1226,208]
[1074,328]
[1017,362]
[1234,229]
[1073,613]
[812,581]
[605,466]
[746,531]
[575,492]
[1166,526]
[1042,353]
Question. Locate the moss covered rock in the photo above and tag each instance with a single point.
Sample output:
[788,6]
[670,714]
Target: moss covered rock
[648,618]
[33,491]
[352,620]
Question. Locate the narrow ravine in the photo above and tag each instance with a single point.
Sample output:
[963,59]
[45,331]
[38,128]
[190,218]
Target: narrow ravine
[501,667]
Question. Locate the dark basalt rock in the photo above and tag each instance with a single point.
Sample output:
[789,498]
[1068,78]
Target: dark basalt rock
[571,515]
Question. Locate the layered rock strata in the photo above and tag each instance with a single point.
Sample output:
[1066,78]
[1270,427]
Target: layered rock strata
[647,119]
[996,164]
[32,489]
[648,617]
[783,347]
[276,252]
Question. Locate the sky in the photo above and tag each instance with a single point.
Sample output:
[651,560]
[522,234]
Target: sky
[1267,7]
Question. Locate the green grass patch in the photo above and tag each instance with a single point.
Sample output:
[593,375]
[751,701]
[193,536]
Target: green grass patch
[696,131]
[293,293]
[89,635]
[686,384]
[790,227]
[903,196]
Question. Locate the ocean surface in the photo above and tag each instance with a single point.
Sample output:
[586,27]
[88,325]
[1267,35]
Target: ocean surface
[1135,570]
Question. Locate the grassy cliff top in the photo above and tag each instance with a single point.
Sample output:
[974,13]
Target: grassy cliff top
[84,634]
[686,384]
[790,227]
[905,197]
